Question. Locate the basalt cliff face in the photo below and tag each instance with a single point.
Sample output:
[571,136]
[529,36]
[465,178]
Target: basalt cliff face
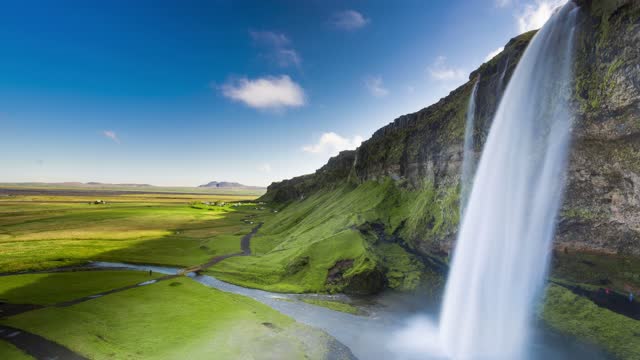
[601,210]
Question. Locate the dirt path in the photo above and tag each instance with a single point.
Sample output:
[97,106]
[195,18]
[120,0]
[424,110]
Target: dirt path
[37,346]
[245,246]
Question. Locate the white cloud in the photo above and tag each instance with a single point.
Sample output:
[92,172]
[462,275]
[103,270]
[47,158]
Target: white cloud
[348,20]
[503,3]
[269,92]
[111,135]
[278,47]
[535,15]
[492,54]
[375,86]
[270,38]
[441,71]
[265,167]
[331,144]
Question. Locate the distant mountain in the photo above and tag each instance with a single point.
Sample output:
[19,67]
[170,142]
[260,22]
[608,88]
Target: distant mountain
[227,185]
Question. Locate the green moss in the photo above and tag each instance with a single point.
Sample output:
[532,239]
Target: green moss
[333,305]
[581,318]
[404,271]
[596,270]
[578,213]
[296,249]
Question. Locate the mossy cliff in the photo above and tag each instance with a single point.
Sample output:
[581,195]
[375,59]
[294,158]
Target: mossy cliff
[601,211]
[397,195]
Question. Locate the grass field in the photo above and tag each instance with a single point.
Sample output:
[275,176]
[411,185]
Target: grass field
[46,187]
[175,319]
[46,231]
[52,288]
[10,352]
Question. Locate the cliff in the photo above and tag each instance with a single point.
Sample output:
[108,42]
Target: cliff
[601,211]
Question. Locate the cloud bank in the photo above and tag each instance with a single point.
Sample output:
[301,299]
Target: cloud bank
[348,20]
[110,134]
[440,70]
[331,144]
[534,16]
[278,47]
[271,92]
[375,86]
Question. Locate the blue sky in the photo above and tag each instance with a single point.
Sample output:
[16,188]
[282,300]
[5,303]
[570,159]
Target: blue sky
[184,92]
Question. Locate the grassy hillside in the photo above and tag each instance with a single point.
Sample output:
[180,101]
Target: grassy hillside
[345,239]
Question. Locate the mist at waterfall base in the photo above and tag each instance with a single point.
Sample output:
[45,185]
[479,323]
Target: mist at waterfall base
[502,251]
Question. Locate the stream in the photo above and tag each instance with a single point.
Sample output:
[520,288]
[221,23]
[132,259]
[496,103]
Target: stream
[378,334]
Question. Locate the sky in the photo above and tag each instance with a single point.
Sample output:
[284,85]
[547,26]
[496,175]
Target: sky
[183,92]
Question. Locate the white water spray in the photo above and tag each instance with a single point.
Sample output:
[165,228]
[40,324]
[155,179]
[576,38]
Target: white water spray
[501,257]
[468,154]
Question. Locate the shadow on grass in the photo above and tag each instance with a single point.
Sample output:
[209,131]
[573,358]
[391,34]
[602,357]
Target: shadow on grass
[193,241]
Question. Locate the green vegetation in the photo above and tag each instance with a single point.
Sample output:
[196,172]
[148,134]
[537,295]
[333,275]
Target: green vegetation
[326,243]
[52,288]
[45,187]
[10,352]
[592,271]
[577,316]
[162,321]
[333,305]
[39,232]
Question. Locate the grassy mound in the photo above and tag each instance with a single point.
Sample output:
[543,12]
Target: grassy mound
[579,317]
[162,321]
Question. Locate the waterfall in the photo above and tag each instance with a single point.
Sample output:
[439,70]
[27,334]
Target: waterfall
[502,75]
[499,264]
[468,153]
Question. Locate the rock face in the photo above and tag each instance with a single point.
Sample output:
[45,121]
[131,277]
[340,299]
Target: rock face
[602,204]
[601,211]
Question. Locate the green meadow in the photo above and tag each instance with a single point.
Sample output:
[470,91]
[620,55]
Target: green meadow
[48,231]
[174,319]
[52,288]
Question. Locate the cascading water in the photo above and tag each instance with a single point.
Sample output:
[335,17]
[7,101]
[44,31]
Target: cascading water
[501,256]
[468,155]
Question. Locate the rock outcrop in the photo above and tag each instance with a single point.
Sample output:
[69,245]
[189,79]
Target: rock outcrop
[601,211]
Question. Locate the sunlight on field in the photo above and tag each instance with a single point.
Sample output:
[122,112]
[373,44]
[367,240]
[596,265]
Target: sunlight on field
[45,231]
